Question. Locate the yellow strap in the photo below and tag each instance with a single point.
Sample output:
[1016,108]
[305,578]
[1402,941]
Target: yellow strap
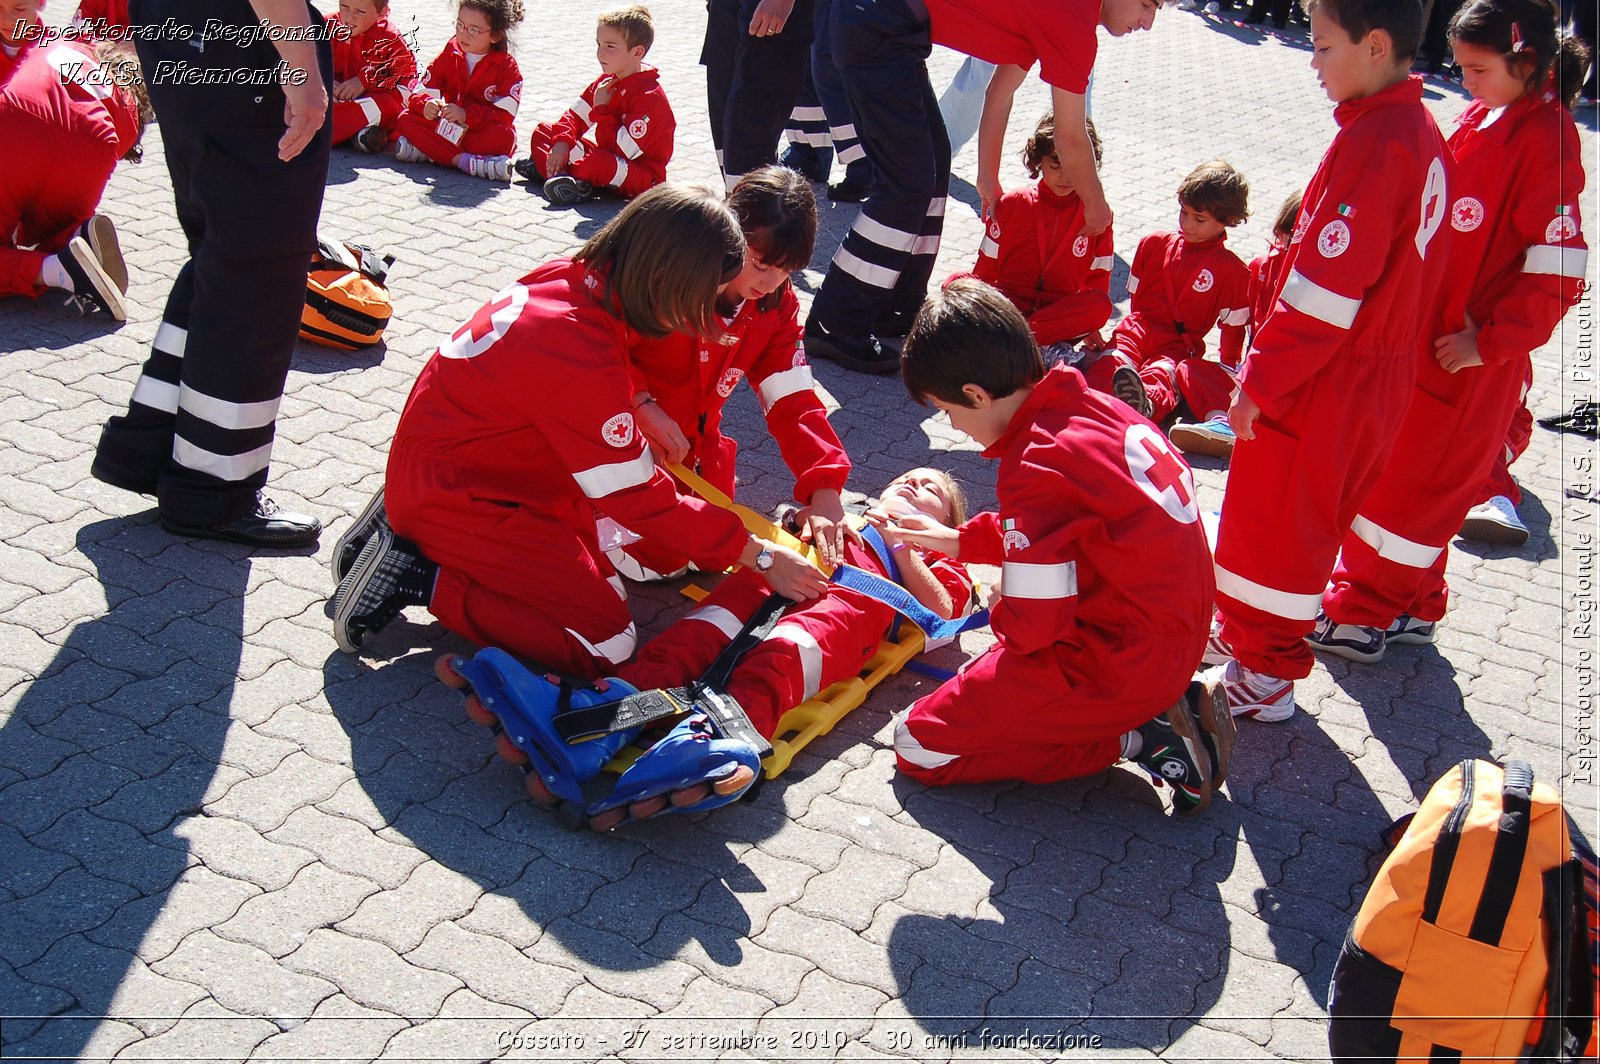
[757,524]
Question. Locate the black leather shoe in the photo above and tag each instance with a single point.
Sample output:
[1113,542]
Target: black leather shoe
[864,354]
[107,473]
[263,526]
[847,191]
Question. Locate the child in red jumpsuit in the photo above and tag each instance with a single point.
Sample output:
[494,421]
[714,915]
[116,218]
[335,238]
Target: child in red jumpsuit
[373,71]
[1036,252]
[67,115]
[1516,265]
[1095,647]
[1181,284]
[618,134]
[520,433]
[1326,384]
[680,412]
[461,114]
[98,20]
[1213,436]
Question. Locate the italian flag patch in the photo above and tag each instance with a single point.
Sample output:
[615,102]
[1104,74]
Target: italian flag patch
[1346,211]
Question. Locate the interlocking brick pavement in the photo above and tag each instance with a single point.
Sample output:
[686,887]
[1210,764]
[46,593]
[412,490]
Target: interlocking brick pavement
[242,844]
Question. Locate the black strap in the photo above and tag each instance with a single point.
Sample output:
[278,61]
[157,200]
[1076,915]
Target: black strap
[1444,1055]
[1505,860]
[762,622]
[1569,984]
[1446,845]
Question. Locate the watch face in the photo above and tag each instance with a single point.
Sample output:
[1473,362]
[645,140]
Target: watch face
[764,560]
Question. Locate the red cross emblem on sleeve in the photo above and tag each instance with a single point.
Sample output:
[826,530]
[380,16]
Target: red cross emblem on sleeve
[1161,474]
[487,325]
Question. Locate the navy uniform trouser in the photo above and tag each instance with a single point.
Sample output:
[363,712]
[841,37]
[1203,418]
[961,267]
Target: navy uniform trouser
[821,117]
[751,82]
[199,428]
[879,276]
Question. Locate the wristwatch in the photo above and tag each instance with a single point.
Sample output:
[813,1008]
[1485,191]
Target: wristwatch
[765,559]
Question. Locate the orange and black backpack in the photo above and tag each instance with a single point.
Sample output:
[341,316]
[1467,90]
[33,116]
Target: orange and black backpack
[347,302]
[1473,942]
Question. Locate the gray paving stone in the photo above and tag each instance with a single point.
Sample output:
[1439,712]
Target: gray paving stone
[201,898]
[211,1032]
[339,1028]
[243,978]
[497,969]
[236,850]
[280,921]
[346,845]
[731,961]
[401,917]
[613,964]
[372,974]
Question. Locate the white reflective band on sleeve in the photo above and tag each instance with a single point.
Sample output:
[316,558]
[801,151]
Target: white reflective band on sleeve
[907,746]
[810,655]
[604,480]
[813,140]
[226,415]
[1102,263]
[989,247]
[508,104]
[782,385]
[883,236]
[171,340]
[850,153]
[1133,284]
[1392,547]
[1025,580]
[629,146]
[622,172]
[1312,299]
[1285,604]
[427,90]
[861,270]
[730,180]
[808,114]
[721,619]
[577,153]
[370,110]
[156,394]
[581,109]
[617,649]
[1241,316]
[844,132]
[1563,262]
[222,466]
[616,585]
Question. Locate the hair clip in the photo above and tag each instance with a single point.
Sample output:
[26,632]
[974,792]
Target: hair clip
[1516,38]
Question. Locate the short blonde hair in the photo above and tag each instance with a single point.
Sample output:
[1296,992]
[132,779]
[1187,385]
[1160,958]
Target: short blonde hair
[663,259]
[633,22]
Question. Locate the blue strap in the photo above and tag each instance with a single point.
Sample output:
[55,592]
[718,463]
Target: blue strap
[933,626]
[874,539]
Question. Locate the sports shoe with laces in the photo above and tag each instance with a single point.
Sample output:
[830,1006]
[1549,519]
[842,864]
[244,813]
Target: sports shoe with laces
[1495,521]
[564,190]
[807,161]
[1213,437]
[371,518]
[91,284]
[1217,652]
[1126,385]
[372,592]
[1190,745]
[1409,630]
[848,191]
[488,167]
[371,140]
[528,171]
[1355,642]
[406,152]
[1257,695]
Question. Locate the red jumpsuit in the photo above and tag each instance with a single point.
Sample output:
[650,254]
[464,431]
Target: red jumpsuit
[1035,252]
[814,646]
[489,94]
[1266,277]
[64,130]
[1106,592]
[1178,291]
[1332,370]
[517,434]
[623,144]
[387,69]
[691,378]
[107,16]
[1518,436]
[1516,263]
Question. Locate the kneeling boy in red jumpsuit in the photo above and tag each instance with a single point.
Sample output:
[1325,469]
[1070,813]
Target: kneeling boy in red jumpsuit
[1096,648]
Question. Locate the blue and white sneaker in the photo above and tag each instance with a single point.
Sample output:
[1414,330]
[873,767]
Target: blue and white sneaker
[1213,438]
[1357,642]
[1407,629]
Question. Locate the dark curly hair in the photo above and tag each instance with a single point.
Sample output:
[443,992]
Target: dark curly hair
[503,15]
[1042,144]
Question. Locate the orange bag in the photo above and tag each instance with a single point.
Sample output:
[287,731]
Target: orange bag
[347,303]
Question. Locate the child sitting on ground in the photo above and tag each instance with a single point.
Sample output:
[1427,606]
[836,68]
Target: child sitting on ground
[618,134]
[1181,284]
[373,72]
[1213,437]
[1036,253]
[1095,647]
[814,645]
[463,111]
[679,409]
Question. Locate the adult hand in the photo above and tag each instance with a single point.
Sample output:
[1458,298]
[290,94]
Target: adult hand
[825,525]
[919,530]
[770,17]
[1096,217]
[345,91]
[1458,351]
[666,439]
[989,193]
[602,92]
[792,576]
[305,106]
[1242,415]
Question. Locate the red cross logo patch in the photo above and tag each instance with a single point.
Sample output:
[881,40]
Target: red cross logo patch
[729,380]
[618,431]
[1161,474]
[1334,240]
[484,329]
[1080,247]
[1467,214]
[1203,281]
[1562,228]
[638,128]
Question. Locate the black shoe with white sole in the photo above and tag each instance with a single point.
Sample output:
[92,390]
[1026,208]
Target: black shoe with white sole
[389,575]
[90,281]
[102,238]
[264,526]
[345,552]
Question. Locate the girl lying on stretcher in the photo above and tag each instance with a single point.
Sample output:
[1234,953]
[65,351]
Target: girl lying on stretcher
[697,765]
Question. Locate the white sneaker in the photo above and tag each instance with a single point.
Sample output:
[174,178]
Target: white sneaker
[1495,521]
[1187,5]
[488,167]
[1411,630]
[407,152]
[1257,695]
[1217,652]
[1213,8]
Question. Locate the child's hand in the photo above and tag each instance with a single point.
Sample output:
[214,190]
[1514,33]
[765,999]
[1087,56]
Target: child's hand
[825,525]
[1458,351]
[920,530]
[666,439]
[794,577]
[602,92]
[1095,341]
[556,162]
[346,91]
[431,109]
[455,113]
[1242,415]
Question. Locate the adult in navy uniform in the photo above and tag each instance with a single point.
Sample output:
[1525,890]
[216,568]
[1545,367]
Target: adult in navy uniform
[247,145]
[755,55]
